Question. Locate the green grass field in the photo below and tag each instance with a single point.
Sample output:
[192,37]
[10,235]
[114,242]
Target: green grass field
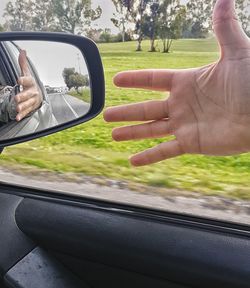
[89,148]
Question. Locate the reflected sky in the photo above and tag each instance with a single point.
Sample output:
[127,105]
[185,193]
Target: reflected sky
[50,59]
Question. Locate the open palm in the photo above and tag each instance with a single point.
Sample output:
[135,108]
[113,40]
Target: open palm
[208,110]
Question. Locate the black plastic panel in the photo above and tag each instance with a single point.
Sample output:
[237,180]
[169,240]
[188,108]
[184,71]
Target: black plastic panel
[14,245]
[40,270]
[182,254]
[112,277]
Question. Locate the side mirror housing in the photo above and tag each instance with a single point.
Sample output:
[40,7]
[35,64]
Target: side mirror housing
[48,82]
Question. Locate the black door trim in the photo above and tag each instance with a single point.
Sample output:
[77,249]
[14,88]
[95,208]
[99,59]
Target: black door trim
[130,210]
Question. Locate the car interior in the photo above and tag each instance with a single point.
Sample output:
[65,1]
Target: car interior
[56,240]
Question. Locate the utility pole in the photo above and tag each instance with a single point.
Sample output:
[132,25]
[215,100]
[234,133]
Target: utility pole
[79,64]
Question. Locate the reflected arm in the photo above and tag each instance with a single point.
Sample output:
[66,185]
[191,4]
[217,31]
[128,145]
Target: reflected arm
[8,107]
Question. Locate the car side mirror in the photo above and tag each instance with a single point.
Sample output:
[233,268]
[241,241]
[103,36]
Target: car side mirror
[48,82]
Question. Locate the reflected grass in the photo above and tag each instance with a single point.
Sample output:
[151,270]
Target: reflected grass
[83,95]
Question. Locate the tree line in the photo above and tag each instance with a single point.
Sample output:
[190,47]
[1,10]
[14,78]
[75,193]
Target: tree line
[70,16]
[136,19]
[171,19]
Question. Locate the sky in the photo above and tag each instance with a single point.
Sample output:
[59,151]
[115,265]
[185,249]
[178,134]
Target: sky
[2,5]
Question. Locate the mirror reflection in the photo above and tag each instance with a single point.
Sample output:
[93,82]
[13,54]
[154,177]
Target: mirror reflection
[42,85]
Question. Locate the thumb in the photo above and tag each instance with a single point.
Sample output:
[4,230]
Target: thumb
[23,63]
[227,28]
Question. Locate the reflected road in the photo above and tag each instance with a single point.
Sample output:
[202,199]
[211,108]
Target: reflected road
[66,108]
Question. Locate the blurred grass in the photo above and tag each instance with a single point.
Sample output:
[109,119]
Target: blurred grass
[89,148]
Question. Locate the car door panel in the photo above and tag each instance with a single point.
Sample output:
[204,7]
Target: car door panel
[86,235]
[39,269]
[100,275]
[172,252]
[14,244]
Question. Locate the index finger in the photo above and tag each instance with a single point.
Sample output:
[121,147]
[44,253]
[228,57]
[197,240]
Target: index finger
[158,80]
[23,63]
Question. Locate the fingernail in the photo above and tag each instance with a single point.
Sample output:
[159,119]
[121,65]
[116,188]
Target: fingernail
[106,115]
[134,161]
[116,79]
[19,118]
[116,135]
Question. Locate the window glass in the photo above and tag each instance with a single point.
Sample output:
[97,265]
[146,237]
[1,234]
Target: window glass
[2,78]
[86,161]
[13,53]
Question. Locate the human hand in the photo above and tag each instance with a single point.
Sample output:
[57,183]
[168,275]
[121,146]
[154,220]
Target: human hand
[30,99]
[208,110]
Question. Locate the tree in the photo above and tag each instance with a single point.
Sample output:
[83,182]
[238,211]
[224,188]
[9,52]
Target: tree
[243,7]
[151,22]
[136,11]
[1,28]
[74,79]
[43,18]
[78,80]
[171,19]
[94,33]
[50,15]
[139,17]
[67,72]
[106,36]
[17,16]
[121,17]
[128,36]
[199,21]
[74,16]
